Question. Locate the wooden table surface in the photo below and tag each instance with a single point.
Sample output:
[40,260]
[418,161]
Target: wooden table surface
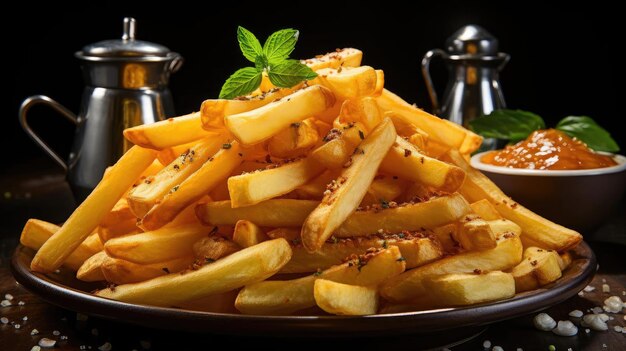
[38,190]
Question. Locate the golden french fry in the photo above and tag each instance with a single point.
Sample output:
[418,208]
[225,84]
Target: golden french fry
[216,169]
[167,133]
[119,271]
[144,196]
[116,230]
[294,141]
[252,188]
[461,289]
[271,213]
[339,146]
[411,216]
[565,260]
[255,126]
[281,297]
[244,267]
[347,57]
[502,226]
[406,161]
[170,154]
[364,110]
[416,249]
[158,245]
[91,271]
[475,234]
[248,234]
[446,235]
[344,299]
[214,247]
[36,232]
[289,234]
[349,188]
[410,285]
[348,82]
[314,189]
[89,214]
[384,188]
[485,210]
[539,267]
[537,231]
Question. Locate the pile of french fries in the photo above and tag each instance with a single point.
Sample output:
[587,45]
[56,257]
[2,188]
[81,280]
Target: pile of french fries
[334,196]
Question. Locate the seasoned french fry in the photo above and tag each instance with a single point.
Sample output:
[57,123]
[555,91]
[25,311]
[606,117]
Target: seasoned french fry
[248,234]
[170,154]
[475,234]
[119,271]
[294,141]
[89,214]
[289,234]
[287,296]
[167,133]
[244,267]
[91,270]
[197,185]
[262,123]
[384,188]
[410,285]
[349,188]
[144,196]
[157,246]
[485,210]
[271,213]
[314,189]
[344,299]
[502,226]
[214,247]
[116,230]
[364,110]
[415,248]
[336,152]
[347,57]
[539,267]
[252,188]
[461,289]
[537,231]
[348,82]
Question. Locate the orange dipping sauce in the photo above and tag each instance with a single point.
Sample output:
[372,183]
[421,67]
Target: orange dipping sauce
[548,149]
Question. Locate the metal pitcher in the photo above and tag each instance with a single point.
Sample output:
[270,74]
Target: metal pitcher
[126,85]
[473,88]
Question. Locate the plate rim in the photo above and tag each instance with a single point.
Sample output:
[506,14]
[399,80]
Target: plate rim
[428,321]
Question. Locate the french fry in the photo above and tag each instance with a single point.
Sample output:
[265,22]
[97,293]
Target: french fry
[539,267]
[89,214]
[406,161]
[289,234]
[364,110]
[415,248]
[156,246]
[502,226]
[349,188]
[336,152]
[255,126]
[244,267]
[446,235]
[90,270]
[384,188]
[248,234]
[36,232]
[214,247]
[294,141]
[144,196]
[485,210]
[252,188]
[429,214]
[410,285]
[475,234]
[216,169]
[271,213]
[348,82]
[287,296]
[168,133]
[119,271]
[314,189]
[344,299]
[439,130]
[347,57]
[116,230]
[170,154]
[461,289]
[537,231]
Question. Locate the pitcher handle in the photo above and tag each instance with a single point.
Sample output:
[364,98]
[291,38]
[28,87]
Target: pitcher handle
[432,93]
[44,100]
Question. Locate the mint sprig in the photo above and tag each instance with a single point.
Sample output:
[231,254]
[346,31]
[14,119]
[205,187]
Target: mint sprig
[272,59]
[516,125]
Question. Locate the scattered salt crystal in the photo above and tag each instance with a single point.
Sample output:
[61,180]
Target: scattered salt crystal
[21,303]
[581,294]
[603,280]
[145,344]
[589,288]
[576,313]
[587,331]
[34,332]
[604,346]
[56,333]
[83,347]
[497,348]
[105,347]
[618,328]
[8,297]
[94,332]
[63,337]
[611,318]
[5,303]
[595,321]
[45,342]
[81,317]
[544,322]
[25,318]
[519,349]
[486,344]
[613,304]
[4,320]
[565,328]
[569,349]
[17,326]
[606,288]
[36,348]
[597,310]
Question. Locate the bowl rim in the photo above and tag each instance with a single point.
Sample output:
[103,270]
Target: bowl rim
[478,164]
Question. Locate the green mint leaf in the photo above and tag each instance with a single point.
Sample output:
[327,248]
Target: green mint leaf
[589,132]
[513,125]
[249,44]
[290,73]
[242,82]
[279,45]
[260,63]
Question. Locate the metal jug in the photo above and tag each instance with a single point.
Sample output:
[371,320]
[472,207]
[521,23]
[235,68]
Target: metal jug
[126,85]
[473,88]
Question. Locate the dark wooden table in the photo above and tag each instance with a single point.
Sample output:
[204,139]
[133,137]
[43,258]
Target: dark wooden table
[38,190]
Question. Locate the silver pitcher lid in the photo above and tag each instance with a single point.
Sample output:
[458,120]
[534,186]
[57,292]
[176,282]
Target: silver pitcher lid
[472,40]
[127,48]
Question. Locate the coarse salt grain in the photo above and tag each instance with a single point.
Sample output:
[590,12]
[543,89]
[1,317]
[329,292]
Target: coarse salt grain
[604,346]
[589,288]
[21,303]
[486,344]
[63,337]
[8,297]
[56,333]
[45,342]
[36,348]
[17,326]
[595,321]
[25,318]
[613,304]
[587,331]
[603,280]
[544,322]
[618,328]
[597,310]
[576,313]
[105,347]
[4,320]
[34,332]
[565,328]
[5,303]
[497,348]
[519,349]
[606,288]
[581,294]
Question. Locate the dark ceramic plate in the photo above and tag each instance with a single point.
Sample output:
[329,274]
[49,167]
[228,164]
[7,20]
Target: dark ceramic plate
[64,290]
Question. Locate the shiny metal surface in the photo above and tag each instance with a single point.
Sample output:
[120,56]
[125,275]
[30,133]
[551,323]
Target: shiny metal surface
[122,90]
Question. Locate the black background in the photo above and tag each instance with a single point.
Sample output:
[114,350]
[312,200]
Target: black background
[563,59]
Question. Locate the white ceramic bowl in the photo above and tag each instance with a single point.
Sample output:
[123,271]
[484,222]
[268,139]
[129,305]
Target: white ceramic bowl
[578,199]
